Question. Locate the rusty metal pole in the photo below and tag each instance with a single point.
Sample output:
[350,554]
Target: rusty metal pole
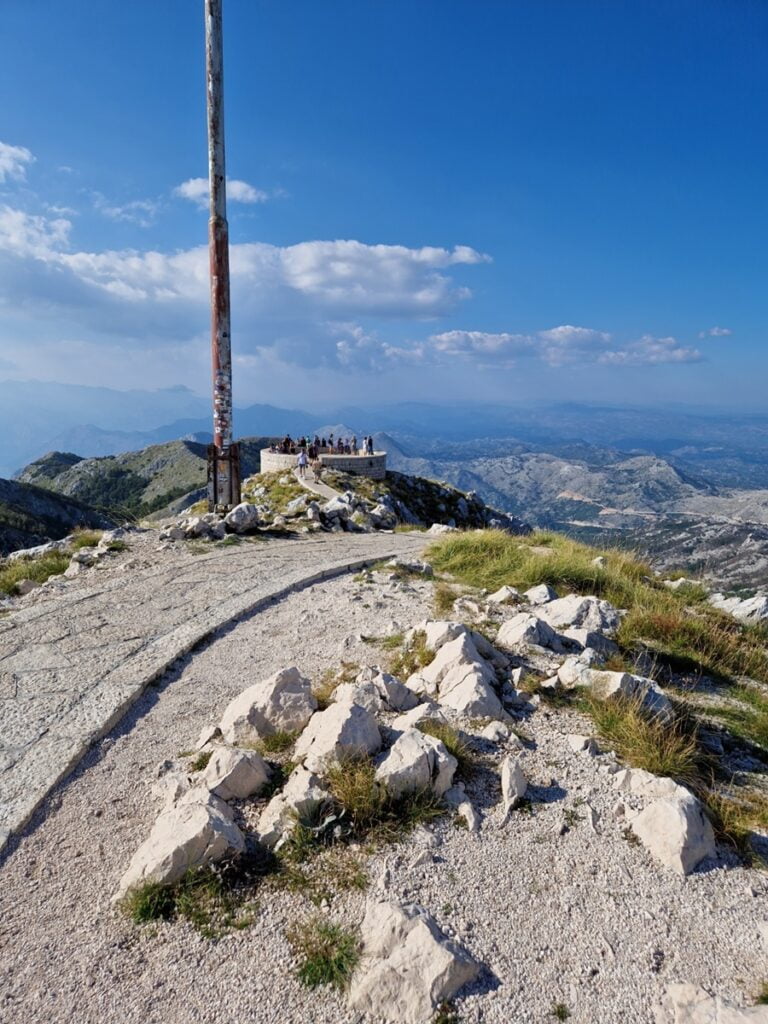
[223,456]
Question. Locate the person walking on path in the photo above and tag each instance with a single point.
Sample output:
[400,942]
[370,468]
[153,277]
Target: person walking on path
[302,462]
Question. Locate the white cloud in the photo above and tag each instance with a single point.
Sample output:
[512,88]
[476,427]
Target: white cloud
[138,211]
[196,191]
[716,332]
[25,234]
[650,351]
[556,345]
[301,301]
[14,161]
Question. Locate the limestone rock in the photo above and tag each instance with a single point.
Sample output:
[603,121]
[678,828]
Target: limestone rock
[365,694]
[242,518]
[437,529]
[581,744]
[646,784]
[504,595]
[612,685]
[184,837]
[396,695]
[281,703]
[525,628]
[574,670]
[468,690]
[496,732]
[676,832]
[342,730]
[513,783]
[427,710]
[456,797]
[460,651]
[409,967]
[416,762]
[589,638]
[302,791]
[576,611]
[540,594]
[689,1004]
[234,774]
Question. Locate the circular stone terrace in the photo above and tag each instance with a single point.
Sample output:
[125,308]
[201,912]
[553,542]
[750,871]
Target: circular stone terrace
[373,466]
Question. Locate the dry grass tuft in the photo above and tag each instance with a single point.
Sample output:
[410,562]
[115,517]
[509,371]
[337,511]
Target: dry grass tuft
[648,742]
[411,657]
[451,740]
[331,678]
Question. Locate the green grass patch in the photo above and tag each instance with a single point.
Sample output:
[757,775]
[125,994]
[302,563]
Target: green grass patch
[762,995]
[85,539]
[330,679]
[648,742]
[277,743]
[411,656]
[326,952]
[677,628]
[200,763]
[280,490]
[214,899]
[38,569]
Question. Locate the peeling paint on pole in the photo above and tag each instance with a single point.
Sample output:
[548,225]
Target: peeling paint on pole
[223,477]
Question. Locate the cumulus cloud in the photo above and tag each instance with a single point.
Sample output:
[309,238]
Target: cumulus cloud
[14,161]
[302,301]
[716,332]
[556,345]
[196,191]
[650,351]
[138,211]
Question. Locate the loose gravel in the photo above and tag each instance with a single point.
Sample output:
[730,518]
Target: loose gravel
[556,903]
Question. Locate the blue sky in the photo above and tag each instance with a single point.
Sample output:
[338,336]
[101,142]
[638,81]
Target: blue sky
[437,199]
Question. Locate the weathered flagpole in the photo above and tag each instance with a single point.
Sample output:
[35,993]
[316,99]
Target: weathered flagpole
[223,456]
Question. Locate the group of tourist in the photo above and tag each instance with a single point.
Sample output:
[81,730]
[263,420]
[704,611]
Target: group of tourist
[314,447]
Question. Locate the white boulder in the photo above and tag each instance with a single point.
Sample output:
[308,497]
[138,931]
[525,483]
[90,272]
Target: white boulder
[575,611]
[646,784]
[468,690]
[341,731]
[184,837]
[496,732]
[541,594]
[525,628]
[623,685]
[409,967]
[676,831]
[438,529]
[365,694]
[416,762]
[234,774]
[396,695]
[504,595]
[282,703]
[513,783]
[242,518]
[428,711]
[303,791]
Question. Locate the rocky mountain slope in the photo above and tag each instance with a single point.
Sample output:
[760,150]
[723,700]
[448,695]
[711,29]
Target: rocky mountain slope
[134,483]
[32,515]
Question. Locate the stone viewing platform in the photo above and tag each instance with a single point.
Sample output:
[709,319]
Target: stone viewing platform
[373,466]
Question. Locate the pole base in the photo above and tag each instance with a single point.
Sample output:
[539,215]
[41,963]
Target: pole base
[223,478]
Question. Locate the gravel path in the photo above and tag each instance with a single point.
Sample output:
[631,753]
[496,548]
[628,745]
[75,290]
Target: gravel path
[76,653]
[557,910]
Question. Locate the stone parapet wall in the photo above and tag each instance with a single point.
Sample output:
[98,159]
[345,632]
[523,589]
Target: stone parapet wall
[272,463]
[373,466]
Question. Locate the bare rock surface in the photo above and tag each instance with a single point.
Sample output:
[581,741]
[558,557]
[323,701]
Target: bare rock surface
[281,703]
[409,966]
